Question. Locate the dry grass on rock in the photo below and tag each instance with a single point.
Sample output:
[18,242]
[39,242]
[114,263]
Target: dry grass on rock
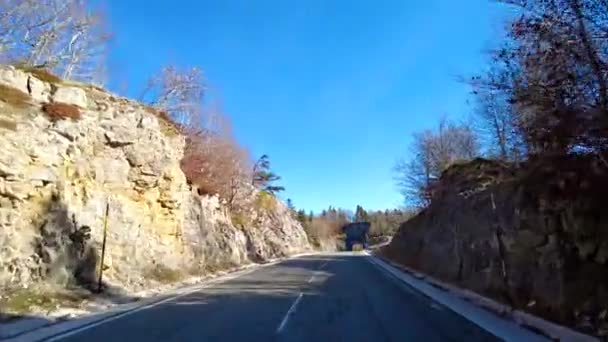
[14,97]
[61,111]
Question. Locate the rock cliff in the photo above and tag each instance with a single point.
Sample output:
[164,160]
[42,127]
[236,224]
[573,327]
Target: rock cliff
[70,150]
[534,236]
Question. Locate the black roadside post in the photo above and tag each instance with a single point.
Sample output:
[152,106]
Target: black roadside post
[103,245]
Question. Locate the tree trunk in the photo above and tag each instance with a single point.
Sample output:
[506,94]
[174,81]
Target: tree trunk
[591,52]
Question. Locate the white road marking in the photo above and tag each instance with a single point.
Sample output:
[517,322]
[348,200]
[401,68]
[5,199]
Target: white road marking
[289,313]
[323,265]
[311,279]
[39,335]
[506,330]
[145,307]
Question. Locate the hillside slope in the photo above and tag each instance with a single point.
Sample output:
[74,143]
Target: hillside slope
[533,236]
[68,150]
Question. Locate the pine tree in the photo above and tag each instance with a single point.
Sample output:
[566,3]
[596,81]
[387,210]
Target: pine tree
[290,205]
[361,214]
[263,178]
[301,217]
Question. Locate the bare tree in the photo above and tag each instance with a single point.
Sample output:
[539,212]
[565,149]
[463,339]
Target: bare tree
[65,36]
[179,93]
[561,95]
[497,125]
[431,153]
[415,175]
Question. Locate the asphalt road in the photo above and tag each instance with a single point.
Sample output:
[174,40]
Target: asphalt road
[315,298]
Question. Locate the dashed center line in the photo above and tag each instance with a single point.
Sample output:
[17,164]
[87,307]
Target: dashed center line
[293,307]
[290,312]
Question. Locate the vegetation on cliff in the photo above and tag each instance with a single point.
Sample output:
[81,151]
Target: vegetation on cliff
[180,196]
[525,223]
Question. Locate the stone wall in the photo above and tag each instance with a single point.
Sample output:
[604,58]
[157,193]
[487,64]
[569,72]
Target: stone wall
[534,236]
[58,176]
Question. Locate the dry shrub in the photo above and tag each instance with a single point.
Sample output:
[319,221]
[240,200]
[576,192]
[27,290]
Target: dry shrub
[164,274]
[60,111]
[167,125]
[215,164]
[40,73]
[265,201]
[14,97]
[239,219]
[323,229]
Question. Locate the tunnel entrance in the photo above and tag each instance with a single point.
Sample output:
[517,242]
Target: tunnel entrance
[356,233]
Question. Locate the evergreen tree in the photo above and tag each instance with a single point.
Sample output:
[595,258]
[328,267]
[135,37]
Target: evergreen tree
[301,217]
[290,205]
[361,214]
[263,178]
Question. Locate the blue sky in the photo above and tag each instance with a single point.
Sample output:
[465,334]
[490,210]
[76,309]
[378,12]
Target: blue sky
[330,90]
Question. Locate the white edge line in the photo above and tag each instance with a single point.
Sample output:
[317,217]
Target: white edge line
[501,328]
[289,313]
[50,337]
[141,308]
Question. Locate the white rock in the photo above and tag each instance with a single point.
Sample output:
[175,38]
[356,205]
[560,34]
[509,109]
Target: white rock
[18,191]
[120,136]
[148,122]
[11,77]
[39,90]
[71,95]
[68,129]
[42,173]
[110,170]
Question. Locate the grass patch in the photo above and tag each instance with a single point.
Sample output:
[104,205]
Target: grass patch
[164,274]
[40,73]
[239,219]
[82,85]
[219,266]
[265,201]
[14,97]
[22,301]
[59,111]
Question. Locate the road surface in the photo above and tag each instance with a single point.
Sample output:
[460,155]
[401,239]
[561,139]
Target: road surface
[337,297]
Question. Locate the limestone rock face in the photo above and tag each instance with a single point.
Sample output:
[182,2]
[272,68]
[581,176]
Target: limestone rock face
[58,177]
[71,95]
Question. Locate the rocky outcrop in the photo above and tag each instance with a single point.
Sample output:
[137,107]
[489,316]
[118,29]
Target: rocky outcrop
[58,177]
[533,236]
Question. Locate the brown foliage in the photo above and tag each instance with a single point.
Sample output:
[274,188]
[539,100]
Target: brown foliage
[167,124]
[215,164]
[61,111]
[324,228]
